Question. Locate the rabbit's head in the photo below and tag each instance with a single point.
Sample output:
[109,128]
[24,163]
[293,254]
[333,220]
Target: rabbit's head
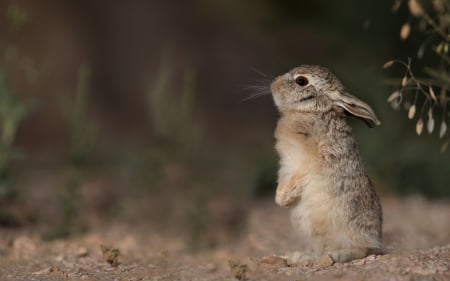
[314,89]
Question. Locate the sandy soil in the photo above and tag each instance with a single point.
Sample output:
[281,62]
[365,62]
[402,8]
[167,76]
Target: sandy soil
[416,231]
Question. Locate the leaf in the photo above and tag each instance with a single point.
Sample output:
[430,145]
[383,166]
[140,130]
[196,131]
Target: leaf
[388,64]
[419,126]
[443,129]
[412,112]
[432,94]
[405,31]
[394,96]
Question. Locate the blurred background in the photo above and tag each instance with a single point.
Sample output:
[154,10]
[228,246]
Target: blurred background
[140,111]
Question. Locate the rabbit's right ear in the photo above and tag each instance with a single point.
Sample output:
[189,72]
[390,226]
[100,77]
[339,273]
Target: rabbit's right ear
[357,108]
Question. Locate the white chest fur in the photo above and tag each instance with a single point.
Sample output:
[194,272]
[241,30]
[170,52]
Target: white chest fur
[300,175]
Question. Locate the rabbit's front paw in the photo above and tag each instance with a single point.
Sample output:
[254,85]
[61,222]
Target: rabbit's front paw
[288,192]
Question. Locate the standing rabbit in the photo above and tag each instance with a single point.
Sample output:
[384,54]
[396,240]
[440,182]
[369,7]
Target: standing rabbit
[322,178]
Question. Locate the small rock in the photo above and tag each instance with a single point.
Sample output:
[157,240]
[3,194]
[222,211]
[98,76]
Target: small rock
[274,261]
[82,252]
[43,271]
[208,267]
[359,262]
[324,261]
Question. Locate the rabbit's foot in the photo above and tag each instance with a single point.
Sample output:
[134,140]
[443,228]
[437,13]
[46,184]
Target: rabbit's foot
[346,255]
[299,259]
[305,260]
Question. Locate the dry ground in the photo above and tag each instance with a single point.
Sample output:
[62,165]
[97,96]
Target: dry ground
[417,238]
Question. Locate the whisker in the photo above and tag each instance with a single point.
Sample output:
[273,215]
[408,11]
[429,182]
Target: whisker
[259,72]
[261,86]
[254,96]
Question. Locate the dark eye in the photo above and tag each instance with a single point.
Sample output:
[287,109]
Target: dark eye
[301,80]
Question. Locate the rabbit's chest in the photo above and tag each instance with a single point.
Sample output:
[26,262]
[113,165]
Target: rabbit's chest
[297,155]
[316,214]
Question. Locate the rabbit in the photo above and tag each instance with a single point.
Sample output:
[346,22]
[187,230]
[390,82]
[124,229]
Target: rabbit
[322,178]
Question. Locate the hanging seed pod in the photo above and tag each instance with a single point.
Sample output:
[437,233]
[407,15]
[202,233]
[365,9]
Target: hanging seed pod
[430,125]
[394,96]
[430,122]
[442,129]
[405,31]
[414,8]
[404,81]
[419,126]
[432,94]
[411,111]
[388,64]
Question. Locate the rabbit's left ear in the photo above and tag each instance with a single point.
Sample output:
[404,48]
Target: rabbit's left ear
[357,108]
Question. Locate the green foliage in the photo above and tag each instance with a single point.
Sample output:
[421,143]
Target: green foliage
[171,114]
[18,16]
[197,218]
[82,133]
[12,109]
[81,128]
[12,113]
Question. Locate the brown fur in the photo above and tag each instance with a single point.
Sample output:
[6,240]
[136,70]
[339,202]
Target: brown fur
[322,177]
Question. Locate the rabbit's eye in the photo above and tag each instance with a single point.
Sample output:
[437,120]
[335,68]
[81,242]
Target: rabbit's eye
[301,80]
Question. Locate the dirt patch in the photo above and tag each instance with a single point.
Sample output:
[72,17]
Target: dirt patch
[417,240]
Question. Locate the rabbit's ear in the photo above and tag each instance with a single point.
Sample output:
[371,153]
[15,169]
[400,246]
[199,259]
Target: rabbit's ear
[357,108]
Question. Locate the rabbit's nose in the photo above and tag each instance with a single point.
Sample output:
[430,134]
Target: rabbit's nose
[277,84]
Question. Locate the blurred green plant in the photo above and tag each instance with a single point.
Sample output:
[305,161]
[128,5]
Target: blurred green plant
[12,109]
[17,16]
[171,114]
[81,128]
[198,217]
[12,113]
[82,139]
[418,94]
